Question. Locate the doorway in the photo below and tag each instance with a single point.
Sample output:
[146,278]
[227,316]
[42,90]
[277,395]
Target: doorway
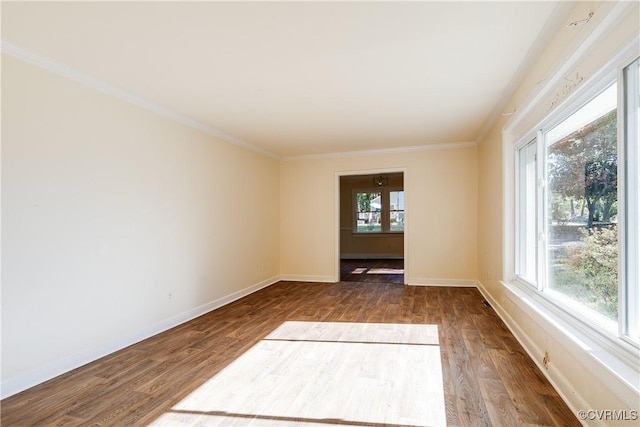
[372,224]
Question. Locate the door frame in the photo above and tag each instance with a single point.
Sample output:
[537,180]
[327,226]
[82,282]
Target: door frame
[407,216]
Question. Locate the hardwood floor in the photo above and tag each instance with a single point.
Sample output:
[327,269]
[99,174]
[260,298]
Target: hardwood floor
[372,270]
[443,341]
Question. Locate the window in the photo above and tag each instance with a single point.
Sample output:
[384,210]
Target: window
[577,216]
[396,210]
[379,211]
[369,211]
[581,203]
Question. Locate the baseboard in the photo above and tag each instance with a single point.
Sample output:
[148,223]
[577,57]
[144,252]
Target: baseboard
[30,379]
[552,374]
[460,283]
[300,278]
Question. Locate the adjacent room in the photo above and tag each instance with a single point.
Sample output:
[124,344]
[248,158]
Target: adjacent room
[372,228]
[320,213]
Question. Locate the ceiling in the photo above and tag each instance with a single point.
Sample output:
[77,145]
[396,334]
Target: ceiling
[299,78]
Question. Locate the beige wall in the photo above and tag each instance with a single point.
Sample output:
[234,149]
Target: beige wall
[440,195]
[574,370]
[366,245]
[117,223]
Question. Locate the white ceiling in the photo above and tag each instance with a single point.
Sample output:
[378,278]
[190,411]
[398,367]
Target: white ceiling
[299,78]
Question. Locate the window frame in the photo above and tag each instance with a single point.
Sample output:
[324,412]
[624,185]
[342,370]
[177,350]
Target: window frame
[520,227]
[628,145]
[615,341]
[580,312]
[385,211]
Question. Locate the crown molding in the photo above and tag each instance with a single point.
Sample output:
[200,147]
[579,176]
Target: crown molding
[123,95]
[109,89]
[383,151]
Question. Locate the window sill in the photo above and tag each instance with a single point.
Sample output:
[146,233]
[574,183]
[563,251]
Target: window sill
[614,361]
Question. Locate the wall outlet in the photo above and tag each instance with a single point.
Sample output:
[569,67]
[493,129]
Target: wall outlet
[546,359]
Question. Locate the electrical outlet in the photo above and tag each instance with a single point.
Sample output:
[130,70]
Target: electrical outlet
[546,359]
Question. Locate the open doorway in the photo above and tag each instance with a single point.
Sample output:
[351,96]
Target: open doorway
[372,227]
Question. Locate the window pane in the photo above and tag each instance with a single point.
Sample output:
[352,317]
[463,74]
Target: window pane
[527,230]
[369,207]
[396,205]
[582,248]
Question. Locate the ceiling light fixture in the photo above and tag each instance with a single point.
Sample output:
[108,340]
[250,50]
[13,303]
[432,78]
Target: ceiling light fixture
[580,21]
[381,180]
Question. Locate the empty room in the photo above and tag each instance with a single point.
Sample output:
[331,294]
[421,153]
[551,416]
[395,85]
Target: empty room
[296,213]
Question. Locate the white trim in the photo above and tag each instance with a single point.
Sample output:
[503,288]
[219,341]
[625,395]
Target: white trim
[37,376]
[613,11]
[123,95]
[382,151]
[306,278]
[336,226]
[629,207]
[564,388]
[459,283]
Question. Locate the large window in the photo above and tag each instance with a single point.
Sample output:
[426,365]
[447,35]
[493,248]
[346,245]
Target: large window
[582,205]
[577,217]
[379,211]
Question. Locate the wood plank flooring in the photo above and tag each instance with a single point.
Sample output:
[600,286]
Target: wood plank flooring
[487,378]
[372,270]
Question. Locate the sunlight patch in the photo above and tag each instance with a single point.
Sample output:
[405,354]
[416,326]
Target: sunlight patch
[314,373]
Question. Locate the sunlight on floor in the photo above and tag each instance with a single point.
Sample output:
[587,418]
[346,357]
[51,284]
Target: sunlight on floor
[314,373]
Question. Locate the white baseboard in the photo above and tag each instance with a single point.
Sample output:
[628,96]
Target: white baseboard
[37,376]
[553,375]
[300,278]
[461,283]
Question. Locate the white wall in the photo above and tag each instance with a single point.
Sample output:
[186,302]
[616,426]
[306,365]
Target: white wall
[117,223]
[441,222]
